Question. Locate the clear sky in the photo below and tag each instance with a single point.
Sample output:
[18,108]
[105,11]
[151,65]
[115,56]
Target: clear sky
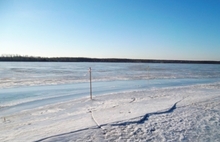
[143,29]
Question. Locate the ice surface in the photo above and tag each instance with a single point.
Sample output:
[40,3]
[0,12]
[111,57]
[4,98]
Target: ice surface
[13,100]
[29,74]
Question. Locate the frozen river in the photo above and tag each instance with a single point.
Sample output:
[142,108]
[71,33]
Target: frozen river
[33,74]
[29,85]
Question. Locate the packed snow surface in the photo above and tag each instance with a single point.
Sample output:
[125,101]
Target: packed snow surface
[156,105]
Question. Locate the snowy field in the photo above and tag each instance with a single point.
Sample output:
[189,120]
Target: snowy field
[132,102]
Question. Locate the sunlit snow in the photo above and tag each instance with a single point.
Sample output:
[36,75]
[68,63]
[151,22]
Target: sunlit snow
[131,102]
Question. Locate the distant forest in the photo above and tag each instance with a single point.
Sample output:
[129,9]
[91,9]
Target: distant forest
[19,58]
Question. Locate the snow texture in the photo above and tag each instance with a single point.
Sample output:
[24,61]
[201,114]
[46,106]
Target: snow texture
[190,113]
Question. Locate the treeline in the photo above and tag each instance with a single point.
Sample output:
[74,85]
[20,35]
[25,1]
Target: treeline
[19,58]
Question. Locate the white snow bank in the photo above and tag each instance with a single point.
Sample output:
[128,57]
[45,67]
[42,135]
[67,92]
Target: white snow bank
[174,114]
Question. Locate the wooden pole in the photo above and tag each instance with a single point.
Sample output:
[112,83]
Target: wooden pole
[90,78]
[148,68]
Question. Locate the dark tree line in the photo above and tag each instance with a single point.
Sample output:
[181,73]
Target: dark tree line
[19,58]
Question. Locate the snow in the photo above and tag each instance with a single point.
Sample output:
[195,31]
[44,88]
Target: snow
[186,113]
[47,102]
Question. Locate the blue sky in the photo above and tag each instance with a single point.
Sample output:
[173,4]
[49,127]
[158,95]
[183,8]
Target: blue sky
[143,29]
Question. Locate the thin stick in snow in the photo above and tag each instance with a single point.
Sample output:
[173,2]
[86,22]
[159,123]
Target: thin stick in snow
[90,77]
[148,68]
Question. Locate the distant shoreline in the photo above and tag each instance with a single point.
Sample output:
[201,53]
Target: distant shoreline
[104,60]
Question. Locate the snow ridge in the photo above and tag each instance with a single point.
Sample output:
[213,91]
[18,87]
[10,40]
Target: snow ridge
[140,121]
[146,116]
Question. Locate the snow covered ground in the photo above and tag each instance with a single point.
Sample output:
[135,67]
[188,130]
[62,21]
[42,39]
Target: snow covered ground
[182,113]
[47,102]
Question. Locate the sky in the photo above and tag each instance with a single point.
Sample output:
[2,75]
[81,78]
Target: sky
[137,29]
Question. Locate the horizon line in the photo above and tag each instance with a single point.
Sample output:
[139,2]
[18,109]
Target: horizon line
[99,59]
